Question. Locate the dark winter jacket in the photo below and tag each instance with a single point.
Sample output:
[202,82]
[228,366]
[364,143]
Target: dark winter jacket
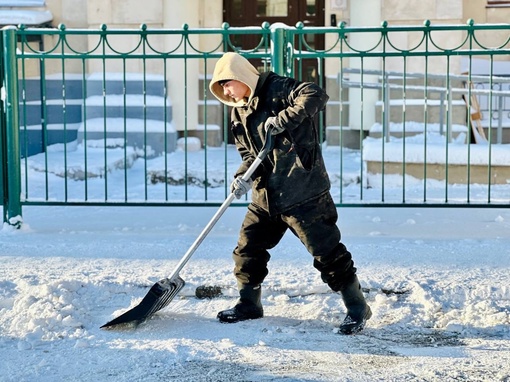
[294,172]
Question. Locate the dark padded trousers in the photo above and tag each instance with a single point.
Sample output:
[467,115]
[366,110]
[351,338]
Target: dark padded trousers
[314,223]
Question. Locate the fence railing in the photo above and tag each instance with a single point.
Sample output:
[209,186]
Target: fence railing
[418,115]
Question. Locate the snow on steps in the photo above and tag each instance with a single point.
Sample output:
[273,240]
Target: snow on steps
[454,161]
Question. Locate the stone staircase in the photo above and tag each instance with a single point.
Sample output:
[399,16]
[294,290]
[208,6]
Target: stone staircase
[62,120]
[398,109]
[108,113]
[133,109]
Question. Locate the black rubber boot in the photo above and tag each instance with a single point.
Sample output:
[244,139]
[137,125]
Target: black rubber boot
[358,312]
[248,307]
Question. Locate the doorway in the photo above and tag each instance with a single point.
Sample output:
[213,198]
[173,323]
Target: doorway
[240,13]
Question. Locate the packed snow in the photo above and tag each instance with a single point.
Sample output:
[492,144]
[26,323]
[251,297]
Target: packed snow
[437,280]
[26,17]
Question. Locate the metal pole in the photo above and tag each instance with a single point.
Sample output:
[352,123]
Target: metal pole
[12,214]
[387,108]
[500,120]
[3,172]
[442,113]
[278,50]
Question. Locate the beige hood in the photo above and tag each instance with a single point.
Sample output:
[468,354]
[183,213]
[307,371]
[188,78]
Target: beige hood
[232,66]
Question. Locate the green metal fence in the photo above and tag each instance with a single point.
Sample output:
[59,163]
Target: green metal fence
[418,115]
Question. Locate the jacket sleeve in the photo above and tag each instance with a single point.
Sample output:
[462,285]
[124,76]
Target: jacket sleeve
[305,101]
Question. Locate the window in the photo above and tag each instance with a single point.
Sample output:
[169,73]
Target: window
[310,8]
[272,8]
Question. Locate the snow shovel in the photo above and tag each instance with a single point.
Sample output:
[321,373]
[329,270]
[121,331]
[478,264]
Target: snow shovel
[162,293]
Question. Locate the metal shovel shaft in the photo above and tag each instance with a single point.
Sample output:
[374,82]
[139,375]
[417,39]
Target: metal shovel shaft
[246,176]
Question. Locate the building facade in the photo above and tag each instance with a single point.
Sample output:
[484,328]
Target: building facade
[173,14]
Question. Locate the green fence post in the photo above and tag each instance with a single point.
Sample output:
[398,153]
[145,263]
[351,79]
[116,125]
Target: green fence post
[278,50]
[3,172]
[12,211]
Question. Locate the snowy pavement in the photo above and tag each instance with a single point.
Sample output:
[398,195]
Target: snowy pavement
[437,281]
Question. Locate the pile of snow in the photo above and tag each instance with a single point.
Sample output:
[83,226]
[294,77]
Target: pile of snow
[191,144]
[25,17]
[437,282]
[82,162]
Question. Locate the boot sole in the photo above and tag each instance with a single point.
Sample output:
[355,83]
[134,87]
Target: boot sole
[228,320]
[231,316]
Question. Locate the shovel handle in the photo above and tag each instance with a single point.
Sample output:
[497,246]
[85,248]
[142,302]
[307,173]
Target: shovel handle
[268,146]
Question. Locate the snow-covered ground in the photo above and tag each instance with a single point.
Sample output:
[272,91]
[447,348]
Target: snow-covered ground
[438,282]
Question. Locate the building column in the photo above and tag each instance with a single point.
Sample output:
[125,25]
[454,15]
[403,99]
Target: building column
[181,88]
[359,17]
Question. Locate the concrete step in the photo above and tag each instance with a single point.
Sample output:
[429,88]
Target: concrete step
[213,114]
[345,137]
[332,113]
[53,87]
[31,113]
[210,135]
[34,140]
[128,83]
[153,136]
[129,106]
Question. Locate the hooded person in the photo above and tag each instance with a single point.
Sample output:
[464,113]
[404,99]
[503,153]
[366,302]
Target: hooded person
[290,188]
[233,66]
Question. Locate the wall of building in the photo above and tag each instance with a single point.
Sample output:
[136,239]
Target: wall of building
[475,9]
[131,14]
[173,14]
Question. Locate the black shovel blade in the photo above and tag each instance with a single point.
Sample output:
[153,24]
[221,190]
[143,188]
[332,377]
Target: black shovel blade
[156,299]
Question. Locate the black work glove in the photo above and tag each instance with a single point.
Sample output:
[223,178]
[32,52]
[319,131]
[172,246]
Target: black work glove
[272,123]
[240,187]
